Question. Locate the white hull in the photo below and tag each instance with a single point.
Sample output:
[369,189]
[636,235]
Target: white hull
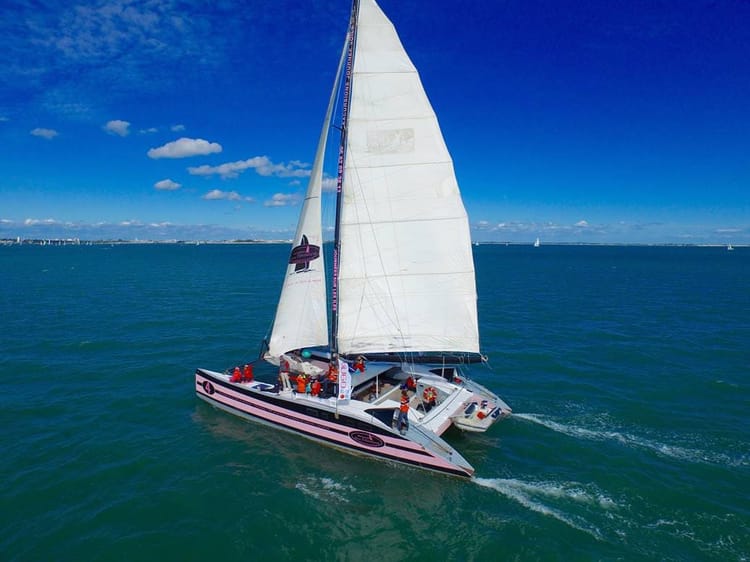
[363,425]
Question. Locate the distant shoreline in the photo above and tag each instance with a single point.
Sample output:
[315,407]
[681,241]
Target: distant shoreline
[79,242]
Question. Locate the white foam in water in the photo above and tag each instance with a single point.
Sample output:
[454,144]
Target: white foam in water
[682,453]
[325,487]
[522,493]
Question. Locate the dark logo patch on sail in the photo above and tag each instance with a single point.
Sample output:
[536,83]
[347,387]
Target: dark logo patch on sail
[208,387]
[303,254]
[366,439]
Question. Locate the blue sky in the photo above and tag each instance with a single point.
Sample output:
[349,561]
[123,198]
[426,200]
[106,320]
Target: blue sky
[618,121]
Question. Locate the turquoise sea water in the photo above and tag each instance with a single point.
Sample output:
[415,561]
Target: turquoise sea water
[627,369]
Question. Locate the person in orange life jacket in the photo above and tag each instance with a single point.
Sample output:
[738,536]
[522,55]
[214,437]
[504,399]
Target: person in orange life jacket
[301,383]
[403,413]
[315,387]
[410,384]
[247,376]
[429,398]
[330,384]
[236,375]
[359,364]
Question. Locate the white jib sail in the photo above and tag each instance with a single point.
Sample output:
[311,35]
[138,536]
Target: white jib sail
[407,271]
[302,314]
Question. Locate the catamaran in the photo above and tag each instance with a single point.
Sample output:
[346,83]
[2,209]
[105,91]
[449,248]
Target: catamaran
[387,377]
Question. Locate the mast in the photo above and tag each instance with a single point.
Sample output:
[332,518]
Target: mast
[340,176]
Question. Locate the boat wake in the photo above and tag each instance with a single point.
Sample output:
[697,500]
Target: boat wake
[537,495]
[664,449]
[586,508]
[325,488]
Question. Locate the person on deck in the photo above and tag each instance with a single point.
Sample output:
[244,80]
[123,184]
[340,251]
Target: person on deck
[410,384]
[284,376]
[301,383]
[403,413]
[429,398]
[236,375]
[315,387]
[247,376]
[331,381]
[359,364]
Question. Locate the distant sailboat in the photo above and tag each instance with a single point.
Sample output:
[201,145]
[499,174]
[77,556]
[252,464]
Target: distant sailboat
[403,293]
[537,243]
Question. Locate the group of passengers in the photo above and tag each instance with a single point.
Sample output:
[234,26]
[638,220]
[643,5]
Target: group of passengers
[323,386]
[242,375]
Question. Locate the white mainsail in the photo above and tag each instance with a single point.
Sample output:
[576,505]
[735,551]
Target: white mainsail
[406,280]
[302,313]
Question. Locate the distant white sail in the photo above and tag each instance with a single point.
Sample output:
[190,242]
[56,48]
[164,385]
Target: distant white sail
[302,314]
[407,271]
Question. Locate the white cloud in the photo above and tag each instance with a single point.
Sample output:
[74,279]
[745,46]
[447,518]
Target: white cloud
[728,230]
[149,131]
[282,200]
[185,147]
[330,184]
[177,128]
[34,222]
[167,185]
[44,133]
[117,127]
[216,194]
[262,165]
[582,224]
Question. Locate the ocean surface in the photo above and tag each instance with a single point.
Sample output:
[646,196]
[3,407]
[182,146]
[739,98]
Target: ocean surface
[628,369]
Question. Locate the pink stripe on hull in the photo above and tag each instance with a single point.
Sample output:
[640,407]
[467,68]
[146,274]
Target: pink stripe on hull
[331,432]
[392,440]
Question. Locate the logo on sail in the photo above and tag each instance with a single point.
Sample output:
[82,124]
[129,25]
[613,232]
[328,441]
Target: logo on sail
[303,254]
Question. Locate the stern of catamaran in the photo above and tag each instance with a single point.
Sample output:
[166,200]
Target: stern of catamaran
[474,408]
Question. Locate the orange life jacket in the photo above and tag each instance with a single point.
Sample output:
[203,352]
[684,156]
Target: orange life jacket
[236,375]
[301,384]
[404,407]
